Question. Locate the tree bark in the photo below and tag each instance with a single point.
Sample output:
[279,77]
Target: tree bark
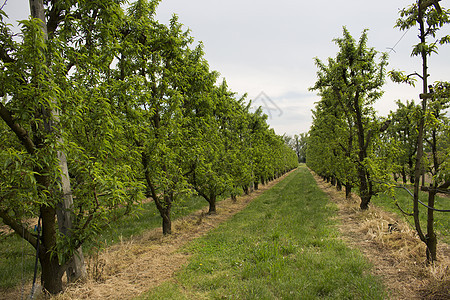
[348,191]
[76,267]
[166,221]
[52,271]
[212,204]
[363,189]
[431,239]
[338,185]
[419,153]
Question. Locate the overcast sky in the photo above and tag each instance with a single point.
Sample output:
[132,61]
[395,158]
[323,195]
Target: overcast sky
[266,48]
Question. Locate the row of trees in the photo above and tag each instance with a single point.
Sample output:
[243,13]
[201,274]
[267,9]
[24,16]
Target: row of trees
[352,146]
[101,106]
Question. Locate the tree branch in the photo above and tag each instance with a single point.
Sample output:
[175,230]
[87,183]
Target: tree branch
[20,132]
[403,211]
[54,17]
[18,228]
[444,185]
[5,57]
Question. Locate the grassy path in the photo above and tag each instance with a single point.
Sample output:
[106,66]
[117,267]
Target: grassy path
[284,245]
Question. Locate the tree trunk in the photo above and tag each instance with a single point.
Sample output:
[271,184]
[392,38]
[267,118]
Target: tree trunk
[51,276]
[52,271]
[256,185]
[348,191]
[166,222]
[411,170]
[419,153]
[338,185]
[76,269]
[431,239]
[246,189]
[423,177]
[363,189]
[405,180]
[164,209]
[395,175]
[212,204]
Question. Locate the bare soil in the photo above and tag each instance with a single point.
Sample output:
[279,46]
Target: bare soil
[393,248]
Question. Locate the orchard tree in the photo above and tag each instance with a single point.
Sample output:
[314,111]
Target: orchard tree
[330,152]
[210,175]
[403,130]
[153,57]
[436,162]
[42,113]
[301,146]
[258,126]
[429,17]
[353,81]
[233,127]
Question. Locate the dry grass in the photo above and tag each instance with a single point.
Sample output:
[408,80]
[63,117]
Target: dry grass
[393,248]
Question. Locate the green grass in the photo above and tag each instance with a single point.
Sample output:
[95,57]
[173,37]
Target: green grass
[284,245]
[18,256]
[16,262]
[147,218]
[442,219]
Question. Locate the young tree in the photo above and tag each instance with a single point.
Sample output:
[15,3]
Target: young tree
[331,143]
[403,130]
[354,80]
[437,142]
[429,17]
[210,176]
[153,64]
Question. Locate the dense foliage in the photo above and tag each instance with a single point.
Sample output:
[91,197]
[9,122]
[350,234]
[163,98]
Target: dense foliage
[345,126]
[102,106]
